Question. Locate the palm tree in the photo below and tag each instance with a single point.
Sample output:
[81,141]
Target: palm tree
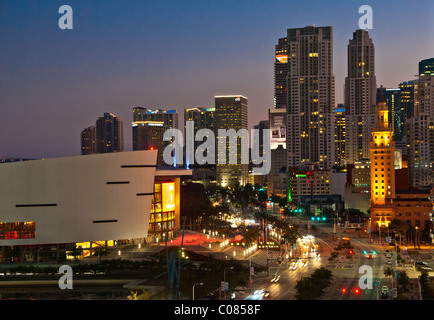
[251,235]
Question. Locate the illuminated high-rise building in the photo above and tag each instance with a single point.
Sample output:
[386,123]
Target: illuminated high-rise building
[311,98]
[231,113]
[420,133]
[392,96]
[339,122]
[360,96]
[382,155]
[168,117]
[88,141]
[109,134]
[426,67]
[148,135]
[281,74]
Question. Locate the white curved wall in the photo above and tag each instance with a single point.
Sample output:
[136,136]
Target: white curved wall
[78,188]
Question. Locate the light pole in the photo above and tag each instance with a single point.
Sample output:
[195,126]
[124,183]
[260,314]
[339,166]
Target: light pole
[199,283]
[38,255]
[224,277]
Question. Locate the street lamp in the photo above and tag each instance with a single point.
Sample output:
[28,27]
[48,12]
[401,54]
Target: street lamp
[199,283]
[38,255]
[224,277]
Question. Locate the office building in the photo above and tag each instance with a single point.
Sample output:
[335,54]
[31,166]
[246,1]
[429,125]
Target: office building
[148,135]
[149,126]
[109,134]
[231,113]
[278,129]
[168,117]
[426,67]
[393,100]
[201,118]
[281,74]
[311,98]
[88,141]
[339,135]
[360,96]
[420,133]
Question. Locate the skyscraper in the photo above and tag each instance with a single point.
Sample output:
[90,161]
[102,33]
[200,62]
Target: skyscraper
[426,67]
[109,134]
[231,113]
[311,97]
[168,117]
[88,141]
[392,97]
[360,96]
[339,122]
[201,118]
[420,133]
[408,90]
[281,74]
[149,126]
[148,135]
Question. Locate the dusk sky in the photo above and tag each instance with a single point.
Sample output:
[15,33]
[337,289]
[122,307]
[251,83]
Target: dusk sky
[172,55]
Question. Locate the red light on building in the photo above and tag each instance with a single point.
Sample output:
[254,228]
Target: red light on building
[151,148]
[344,290]
[357,291]
[11,235]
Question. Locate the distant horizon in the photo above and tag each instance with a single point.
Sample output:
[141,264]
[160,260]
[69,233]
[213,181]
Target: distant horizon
[172,55]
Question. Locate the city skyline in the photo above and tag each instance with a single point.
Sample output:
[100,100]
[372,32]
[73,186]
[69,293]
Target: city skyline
[119,57]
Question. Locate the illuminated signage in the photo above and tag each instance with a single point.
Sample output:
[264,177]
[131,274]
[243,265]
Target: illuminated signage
[282,58]
[168,194]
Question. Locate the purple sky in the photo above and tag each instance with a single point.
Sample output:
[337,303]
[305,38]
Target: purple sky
[171,55]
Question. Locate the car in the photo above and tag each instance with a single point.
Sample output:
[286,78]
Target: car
[266,294]
[426,268]
[388,255]
[276,278]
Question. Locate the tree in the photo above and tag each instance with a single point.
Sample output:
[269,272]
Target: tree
[251,235]
[423,280]
[242,196]
[195,203]
[313,287]
[323,277]
[403,282]
[388,272]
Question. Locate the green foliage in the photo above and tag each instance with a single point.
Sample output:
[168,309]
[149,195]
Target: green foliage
[403,282]
[313,287]
[388,272]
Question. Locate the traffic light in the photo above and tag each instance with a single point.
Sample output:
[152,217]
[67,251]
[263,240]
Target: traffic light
[344,290]
[323,218]
[351,252]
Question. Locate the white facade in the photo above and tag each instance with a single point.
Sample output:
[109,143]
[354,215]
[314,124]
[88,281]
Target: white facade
[81,198]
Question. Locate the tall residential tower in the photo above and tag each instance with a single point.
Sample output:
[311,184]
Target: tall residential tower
[360,97]
[311,97]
